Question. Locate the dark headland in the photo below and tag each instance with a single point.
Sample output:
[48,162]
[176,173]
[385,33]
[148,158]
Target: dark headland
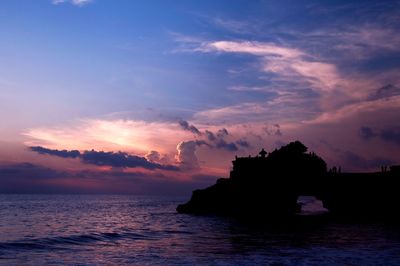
[268,186]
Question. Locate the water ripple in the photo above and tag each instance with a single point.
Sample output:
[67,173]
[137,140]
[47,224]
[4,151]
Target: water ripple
[124,230]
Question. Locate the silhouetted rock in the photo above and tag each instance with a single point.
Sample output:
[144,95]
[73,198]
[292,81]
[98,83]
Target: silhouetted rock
[268,186]
[262,185]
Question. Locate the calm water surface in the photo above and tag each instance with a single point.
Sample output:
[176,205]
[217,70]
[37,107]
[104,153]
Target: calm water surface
[121,230]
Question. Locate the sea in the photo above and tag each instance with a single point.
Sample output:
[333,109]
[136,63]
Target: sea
[143,230]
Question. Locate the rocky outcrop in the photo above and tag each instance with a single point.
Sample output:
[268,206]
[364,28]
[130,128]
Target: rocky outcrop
[268,186]
[262,185]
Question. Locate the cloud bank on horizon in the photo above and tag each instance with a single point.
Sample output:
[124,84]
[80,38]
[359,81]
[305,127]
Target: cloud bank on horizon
[173,91]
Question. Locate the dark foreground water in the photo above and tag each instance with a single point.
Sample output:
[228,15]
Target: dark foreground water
[119,230]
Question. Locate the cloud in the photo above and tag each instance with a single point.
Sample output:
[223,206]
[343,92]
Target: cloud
[385,92]
[156,157]
[186,156]
[283,109]
[121,159]
[229,146]
[218,141]
[241,88]
[26,177]
[80,2]
[21,169]
[324,58]
[109,134]
[241,27]
[101,158]
[32,178]
[364,41]
[222,133]
[210,136]
[278,131]
[156,141]
[255,48]
[213,140]
[186,150]
[288,63]
[319,84]
[279,105]
[273,130]
[59,153]
[185,126]
[365,107]
[243,143]
[367,133]
[153,156]
[73,2]
[294,70]
[389,134]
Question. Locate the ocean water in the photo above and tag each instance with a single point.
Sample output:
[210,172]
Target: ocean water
[130,230]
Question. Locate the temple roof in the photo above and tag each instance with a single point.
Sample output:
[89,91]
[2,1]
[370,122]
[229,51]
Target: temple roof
[263,153]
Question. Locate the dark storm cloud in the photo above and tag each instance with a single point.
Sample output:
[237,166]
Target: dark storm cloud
[102,158]
[229,146]
[221,143]
[186,126]
[213,140]
[384,92]
[218,140]
[114,159]
[202,142]
[210,136]
[121,159]
[222,132]
[59,153]
[243,143]
[388,134]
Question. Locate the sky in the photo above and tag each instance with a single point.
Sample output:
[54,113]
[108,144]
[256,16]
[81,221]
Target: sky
[157,97]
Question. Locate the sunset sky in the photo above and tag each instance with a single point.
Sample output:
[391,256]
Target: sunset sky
[157,97]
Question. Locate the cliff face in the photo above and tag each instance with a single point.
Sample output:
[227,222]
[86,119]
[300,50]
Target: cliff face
[269,186]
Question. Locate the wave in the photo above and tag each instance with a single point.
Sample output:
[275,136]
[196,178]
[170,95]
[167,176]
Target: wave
[65,242]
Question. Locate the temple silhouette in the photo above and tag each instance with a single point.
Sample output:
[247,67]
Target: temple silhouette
[269,185]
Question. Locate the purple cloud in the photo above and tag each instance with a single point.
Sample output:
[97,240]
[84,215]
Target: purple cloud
[186,126]
[102,158]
